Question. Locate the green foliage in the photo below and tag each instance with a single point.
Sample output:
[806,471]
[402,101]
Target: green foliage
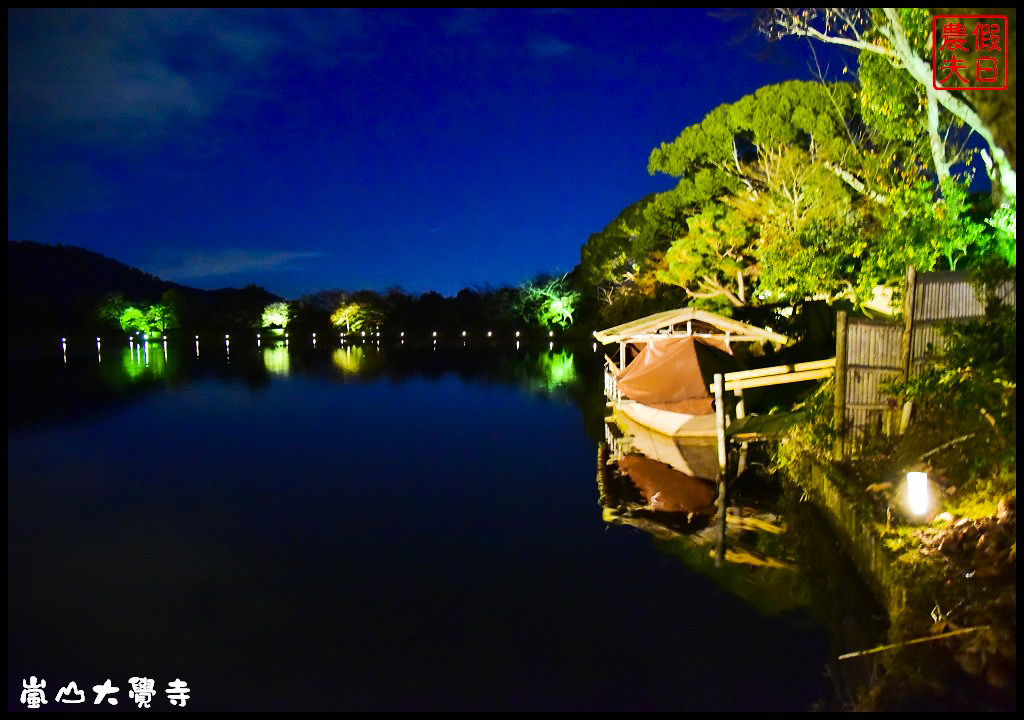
[891,102]
[791,113]
[160,318]
[133,320]
[809,442]
[610,257]
[1004,225]
[153,320]
[712,262]
[775,209]
[357,316]
[275,315]
[811,235]
[549,301]
[917,229]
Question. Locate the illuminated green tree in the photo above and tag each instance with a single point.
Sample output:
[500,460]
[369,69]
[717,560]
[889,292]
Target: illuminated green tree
[160,318]
[713,262]
[897,76]
[356,316]
[275,315]
[133,320]
[155,319]
[549,301]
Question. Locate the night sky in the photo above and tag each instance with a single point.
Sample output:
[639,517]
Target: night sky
[305,150]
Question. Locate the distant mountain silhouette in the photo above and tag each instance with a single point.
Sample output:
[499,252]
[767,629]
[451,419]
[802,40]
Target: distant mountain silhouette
[57,289]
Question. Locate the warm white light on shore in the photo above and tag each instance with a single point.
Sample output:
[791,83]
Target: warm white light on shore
[917,492]
[551,333]
[517,333]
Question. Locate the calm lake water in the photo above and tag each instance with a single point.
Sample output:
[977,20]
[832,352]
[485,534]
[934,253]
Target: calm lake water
[362,528]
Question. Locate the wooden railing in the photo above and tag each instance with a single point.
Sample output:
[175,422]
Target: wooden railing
[761,377]
[777,375]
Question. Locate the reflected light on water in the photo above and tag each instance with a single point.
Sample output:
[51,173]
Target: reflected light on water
[349,359]
[276,360]
[559,369]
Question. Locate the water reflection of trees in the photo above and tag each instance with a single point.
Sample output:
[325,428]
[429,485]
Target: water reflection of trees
[98,380]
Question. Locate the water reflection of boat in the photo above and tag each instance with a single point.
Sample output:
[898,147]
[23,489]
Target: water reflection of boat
[666,489]
[662,486]
[696,457]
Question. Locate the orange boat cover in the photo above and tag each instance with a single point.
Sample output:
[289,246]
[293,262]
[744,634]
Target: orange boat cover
[674,373]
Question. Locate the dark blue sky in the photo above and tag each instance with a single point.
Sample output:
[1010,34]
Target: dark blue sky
[304,150]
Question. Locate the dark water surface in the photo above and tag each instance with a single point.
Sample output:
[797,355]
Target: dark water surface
[357,529]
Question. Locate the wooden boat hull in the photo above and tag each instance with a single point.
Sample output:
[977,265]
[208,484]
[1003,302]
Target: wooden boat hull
[668,423]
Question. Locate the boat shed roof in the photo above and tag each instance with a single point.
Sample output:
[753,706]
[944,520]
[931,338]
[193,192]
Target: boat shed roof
[701,323]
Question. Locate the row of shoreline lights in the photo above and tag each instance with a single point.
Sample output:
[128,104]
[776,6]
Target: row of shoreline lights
[227,340]
[465,333]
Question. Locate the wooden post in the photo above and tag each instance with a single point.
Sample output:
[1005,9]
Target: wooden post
[839,402]
[741,412]
[907,345]
[720,432]
[720,420]
[720,553]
